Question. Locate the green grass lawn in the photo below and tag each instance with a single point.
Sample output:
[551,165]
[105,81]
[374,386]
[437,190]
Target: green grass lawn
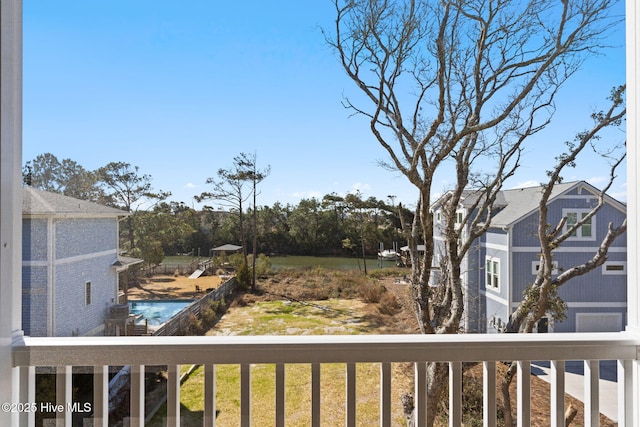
[283,318]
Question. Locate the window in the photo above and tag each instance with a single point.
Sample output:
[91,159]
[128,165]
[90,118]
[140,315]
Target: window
[87,293]
[614,267]
[535,266]
[493,272]
[587,230]
[459,217]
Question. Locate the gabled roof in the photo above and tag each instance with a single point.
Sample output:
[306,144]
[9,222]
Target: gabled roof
[517,203]
[468,199]
[228,247]
[44,203]
[521,202]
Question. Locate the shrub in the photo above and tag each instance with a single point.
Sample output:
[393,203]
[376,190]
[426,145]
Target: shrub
[389,304]
[243,276]
[192,325]
[371,293]
[209,314]
[263,265]
[387,272]
[236,260]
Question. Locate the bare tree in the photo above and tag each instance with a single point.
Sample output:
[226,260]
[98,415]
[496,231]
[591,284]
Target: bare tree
[229,188]
[458,84]
[541,297]
[248,163]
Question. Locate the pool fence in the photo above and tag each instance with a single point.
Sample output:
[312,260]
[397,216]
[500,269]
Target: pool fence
[177,324]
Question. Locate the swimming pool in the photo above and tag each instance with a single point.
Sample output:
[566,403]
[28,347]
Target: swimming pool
[158,311]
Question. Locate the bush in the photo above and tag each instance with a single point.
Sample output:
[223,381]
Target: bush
[263,265]
[236,260]
[372,293]
[389,304]
[192,326]
[243,276]
[387,272]
[209,314]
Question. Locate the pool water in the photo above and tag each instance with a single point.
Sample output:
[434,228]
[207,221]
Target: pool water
[158,312]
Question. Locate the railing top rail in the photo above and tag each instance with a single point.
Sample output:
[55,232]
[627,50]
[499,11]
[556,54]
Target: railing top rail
[160,350]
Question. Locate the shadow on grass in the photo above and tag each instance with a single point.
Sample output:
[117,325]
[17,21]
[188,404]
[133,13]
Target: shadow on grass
[187,417]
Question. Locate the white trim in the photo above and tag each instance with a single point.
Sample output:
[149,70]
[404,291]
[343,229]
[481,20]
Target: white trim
[587,304]
[579,237]
[495,246]
[535,265]
[46,263]
[587,197]
[608,199]
[86,257]
[494,297]
[632,21]
[596,304]
[495,275]
[607,272]
[617,317]
[568,249]
[10,201]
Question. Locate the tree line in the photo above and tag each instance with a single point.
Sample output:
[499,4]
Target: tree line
[339,225]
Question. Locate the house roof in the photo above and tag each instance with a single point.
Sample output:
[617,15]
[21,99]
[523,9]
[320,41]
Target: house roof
[469,198]
[521,202]
[39,202]
[124,262]
[228,247]
[517,203]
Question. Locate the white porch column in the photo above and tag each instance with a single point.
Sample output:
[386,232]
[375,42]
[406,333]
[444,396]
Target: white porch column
[633,187]
[10,198]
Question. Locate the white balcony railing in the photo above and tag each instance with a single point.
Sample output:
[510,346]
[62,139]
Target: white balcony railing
[64,353]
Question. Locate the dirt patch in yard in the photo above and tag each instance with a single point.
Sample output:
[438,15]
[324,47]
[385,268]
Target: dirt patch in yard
[174,287]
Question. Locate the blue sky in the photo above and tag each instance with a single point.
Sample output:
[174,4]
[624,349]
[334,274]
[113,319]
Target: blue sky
[180,88]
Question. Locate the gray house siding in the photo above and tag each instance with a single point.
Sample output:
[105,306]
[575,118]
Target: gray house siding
[525,232]
[83,255]
[35,302]
[67,243]
[34,232]
[76,237]
[596,292]
[596,301]
[73,316]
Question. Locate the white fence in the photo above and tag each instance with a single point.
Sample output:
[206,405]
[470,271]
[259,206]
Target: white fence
[317,350]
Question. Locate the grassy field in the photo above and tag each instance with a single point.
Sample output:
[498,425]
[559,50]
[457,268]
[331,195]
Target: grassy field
[336,316]
[279,262]
[327,262]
